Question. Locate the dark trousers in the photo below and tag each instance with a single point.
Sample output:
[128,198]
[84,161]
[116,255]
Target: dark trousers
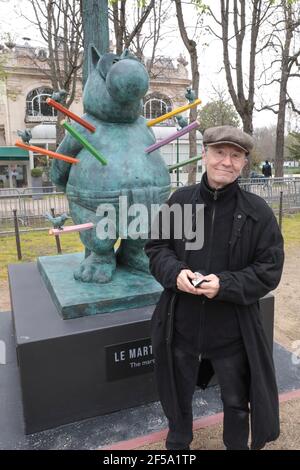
[234,379]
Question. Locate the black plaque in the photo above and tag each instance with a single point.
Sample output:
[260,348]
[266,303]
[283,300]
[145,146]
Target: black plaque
[129,359]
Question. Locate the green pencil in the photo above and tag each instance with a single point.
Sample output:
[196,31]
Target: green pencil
[84,142]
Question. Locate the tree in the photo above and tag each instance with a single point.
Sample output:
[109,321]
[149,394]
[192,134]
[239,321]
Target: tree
[2,65]
[218,113]
[283,36]
[191,47]
[256,159]
[238,26]
[265,143]
[151,36]
[60,26]
[94,15]
[294,145]
[138,25]
[119,16]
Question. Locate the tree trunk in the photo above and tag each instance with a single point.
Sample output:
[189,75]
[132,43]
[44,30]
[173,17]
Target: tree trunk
[244,105]
[95,29]
[191,46]
[279,150]
[280,128]
[248,128]
[60,131]
[192,174]
[118,20]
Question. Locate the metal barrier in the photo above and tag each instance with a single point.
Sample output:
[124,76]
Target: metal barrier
[271,188]
[31,204]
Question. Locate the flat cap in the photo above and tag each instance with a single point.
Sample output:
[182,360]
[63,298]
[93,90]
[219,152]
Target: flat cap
[228,135]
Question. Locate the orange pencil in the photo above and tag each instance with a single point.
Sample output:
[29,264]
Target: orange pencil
[69,113]
[59,156]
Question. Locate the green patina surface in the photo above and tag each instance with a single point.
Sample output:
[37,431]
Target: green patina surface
[113,103]
[104,280]
[76,299]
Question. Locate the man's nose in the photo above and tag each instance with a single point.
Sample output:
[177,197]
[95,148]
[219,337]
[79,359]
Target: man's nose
[226,161]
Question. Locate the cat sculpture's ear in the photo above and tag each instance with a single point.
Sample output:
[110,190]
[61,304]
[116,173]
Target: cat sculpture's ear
[94,56]
[124,54]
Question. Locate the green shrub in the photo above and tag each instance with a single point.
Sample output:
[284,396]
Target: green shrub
[36,172]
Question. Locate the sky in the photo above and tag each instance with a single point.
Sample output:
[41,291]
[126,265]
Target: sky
[209,49]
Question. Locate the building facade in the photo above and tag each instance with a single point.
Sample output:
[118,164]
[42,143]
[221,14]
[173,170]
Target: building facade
[24,88]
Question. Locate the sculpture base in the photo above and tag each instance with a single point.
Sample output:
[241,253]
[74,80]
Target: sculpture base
[73,299]
[83,367]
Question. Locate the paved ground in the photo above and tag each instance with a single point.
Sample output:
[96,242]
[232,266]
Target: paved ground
[109,429]
[208,435]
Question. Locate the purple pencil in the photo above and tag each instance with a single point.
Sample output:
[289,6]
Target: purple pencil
[169,139]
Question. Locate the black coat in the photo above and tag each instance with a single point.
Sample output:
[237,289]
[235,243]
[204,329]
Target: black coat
[255,267]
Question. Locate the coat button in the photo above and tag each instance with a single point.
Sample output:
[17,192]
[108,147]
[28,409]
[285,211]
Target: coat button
[239,216]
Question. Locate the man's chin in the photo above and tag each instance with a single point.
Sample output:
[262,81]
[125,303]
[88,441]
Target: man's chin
[223,180]
[228,178]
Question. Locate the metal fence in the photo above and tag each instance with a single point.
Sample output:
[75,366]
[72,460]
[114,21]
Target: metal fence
[31,204]
[270,189]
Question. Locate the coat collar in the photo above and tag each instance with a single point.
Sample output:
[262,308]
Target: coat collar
[244,206]
[224,194]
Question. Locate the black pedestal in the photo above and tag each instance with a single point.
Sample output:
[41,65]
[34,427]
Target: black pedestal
[84,367]
[75,369]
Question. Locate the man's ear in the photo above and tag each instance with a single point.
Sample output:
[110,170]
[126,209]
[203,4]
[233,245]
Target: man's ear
[246,161]
[94,56]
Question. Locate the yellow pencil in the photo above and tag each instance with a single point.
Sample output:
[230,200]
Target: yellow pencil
[174,112]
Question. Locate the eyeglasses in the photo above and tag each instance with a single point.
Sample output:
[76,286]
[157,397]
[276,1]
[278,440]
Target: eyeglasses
[220,154]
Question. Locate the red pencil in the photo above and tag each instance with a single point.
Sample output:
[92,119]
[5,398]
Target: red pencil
[69,113]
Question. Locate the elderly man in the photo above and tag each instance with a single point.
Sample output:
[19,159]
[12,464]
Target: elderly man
[218,323]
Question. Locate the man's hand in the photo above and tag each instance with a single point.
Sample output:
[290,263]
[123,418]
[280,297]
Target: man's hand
[210,288]
[184,283]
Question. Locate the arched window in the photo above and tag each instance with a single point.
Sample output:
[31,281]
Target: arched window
[36,103]
[156,105]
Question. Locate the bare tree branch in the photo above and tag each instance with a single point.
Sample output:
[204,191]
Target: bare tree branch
[60,25]
[269,108]
[191,47]
[124,37]
[292,104]
[139,25]
[275,80]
